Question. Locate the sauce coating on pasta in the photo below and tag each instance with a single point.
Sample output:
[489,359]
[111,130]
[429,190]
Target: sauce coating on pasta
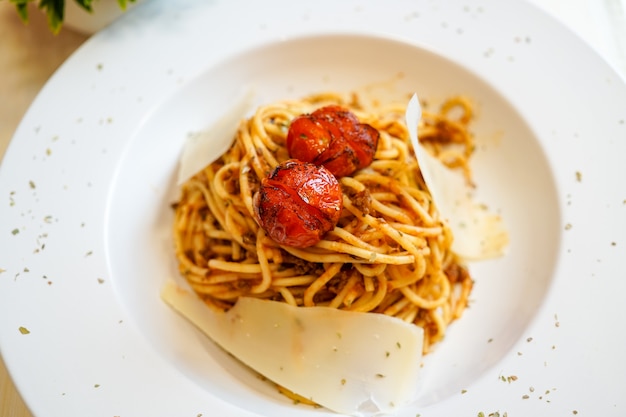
[332,136]
[389,252]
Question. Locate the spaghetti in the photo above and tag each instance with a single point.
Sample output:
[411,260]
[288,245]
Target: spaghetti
[389,253]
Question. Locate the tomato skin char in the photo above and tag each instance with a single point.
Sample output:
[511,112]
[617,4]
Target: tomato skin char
[298,203]
[332,136]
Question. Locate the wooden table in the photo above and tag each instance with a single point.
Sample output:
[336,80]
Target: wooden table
[29,55]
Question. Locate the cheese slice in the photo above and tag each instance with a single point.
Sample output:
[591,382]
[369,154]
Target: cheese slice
[204,147]
[478,233]
[359,364]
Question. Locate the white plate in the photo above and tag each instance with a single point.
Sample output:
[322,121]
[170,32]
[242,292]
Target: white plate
[89,176]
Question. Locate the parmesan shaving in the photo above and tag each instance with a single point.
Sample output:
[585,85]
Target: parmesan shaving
[204,147]
[478,233]
[360,364]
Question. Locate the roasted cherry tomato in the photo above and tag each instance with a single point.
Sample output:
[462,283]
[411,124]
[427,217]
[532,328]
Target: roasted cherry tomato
[298,203]
[332,136]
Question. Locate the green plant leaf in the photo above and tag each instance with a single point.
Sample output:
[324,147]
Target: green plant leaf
[124,3]
[22,8]
[85,4]
[54,10]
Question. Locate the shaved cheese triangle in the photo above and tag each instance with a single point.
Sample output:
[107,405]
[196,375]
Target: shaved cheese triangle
[204,147]
[478,234]
[360,364]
